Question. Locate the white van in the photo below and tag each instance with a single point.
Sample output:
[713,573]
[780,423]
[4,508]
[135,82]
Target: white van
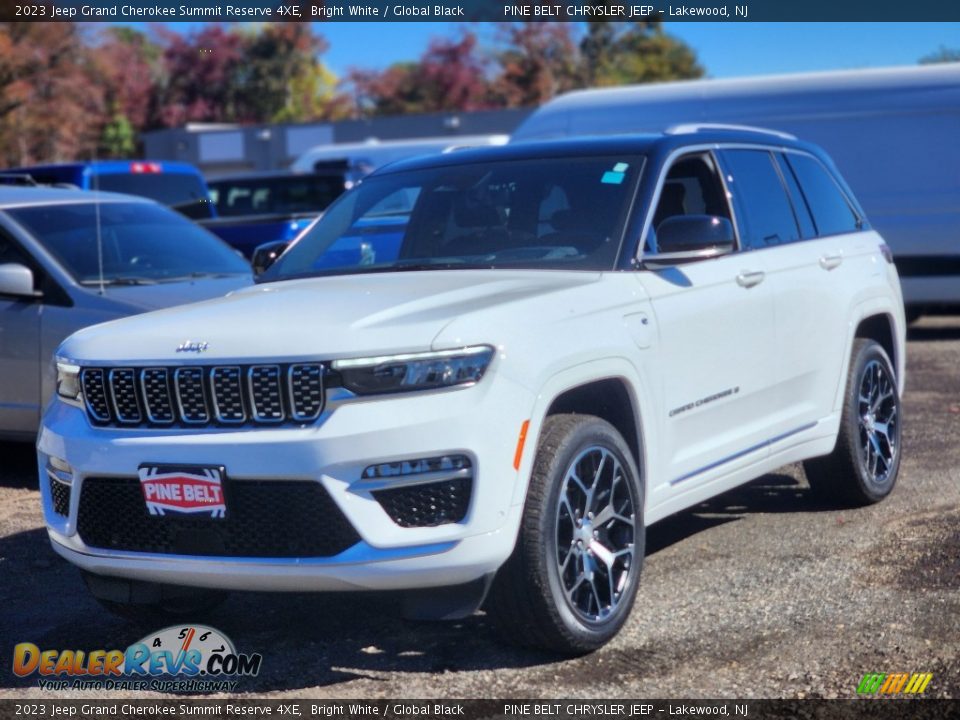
[361,158]
[894,134]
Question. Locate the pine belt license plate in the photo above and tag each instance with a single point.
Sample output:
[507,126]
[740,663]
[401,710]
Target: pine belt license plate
[184,490]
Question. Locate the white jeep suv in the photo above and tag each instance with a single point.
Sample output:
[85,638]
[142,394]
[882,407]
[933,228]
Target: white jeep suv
[480,376]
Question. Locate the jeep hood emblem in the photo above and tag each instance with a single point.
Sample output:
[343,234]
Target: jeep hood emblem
[197,346]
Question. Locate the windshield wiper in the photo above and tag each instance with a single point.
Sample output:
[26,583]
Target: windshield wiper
[119,281]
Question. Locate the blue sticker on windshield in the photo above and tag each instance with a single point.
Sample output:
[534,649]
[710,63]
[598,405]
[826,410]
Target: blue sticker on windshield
[615,176]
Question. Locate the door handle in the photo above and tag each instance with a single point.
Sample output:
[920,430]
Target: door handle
[748,278]
[829,262]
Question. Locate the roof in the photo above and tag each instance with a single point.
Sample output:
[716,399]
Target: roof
[581,146]
[946,74]
[769,99]
[12,196]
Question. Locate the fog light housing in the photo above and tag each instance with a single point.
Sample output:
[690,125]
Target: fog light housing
[422,492]
[60,476]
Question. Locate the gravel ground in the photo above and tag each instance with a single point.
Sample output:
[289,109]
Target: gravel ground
[758,593]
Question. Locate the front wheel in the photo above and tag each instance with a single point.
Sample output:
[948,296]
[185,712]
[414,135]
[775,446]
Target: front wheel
[572,578]
[863,467]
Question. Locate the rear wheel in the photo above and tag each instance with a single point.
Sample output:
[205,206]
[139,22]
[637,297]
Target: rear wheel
[572,578]
[863,466]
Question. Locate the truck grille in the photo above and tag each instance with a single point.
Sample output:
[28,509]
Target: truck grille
[224,395]
[265,518]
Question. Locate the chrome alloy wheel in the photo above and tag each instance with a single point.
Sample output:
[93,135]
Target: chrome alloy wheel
[878,411]
[596,514]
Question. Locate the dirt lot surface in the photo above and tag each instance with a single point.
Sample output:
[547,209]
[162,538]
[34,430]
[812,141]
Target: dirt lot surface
[758,593]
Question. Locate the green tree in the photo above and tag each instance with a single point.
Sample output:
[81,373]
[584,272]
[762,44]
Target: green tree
[119,139]
[620,53]
[943,54]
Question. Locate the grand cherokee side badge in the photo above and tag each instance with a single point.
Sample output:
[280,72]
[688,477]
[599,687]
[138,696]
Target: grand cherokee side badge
[193,346]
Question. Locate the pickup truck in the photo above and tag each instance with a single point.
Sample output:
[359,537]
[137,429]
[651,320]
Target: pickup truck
[254,209]
[175,184]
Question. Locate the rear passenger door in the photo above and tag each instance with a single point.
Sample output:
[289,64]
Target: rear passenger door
[809,276]
[715,319]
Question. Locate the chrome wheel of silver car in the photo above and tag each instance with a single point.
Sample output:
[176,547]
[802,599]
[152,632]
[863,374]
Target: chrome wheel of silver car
[879,422]
[595,534]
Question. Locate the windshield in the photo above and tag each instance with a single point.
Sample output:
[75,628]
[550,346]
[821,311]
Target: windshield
[285,195]
[139,241]
[183,192]
[554,213]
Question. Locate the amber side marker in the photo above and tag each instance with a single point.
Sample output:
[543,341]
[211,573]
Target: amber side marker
[520,441]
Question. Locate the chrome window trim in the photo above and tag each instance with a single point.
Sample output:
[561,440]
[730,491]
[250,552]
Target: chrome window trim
[668,163]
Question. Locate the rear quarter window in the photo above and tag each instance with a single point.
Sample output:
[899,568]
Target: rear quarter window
[831,212]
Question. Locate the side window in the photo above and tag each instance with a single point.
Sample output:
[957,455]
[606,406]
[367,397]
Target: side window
[831,211]
[801,209]
[764,212]
[692,187]
[11,253]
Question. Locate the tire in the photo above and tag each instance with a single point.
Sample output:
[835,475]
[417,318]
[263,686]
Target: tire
[863,467]
[529,600]
[146,603]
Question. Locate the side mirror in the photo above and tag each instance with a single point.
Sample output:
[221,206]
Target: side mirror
[266,255]
[686,238]
[17,280]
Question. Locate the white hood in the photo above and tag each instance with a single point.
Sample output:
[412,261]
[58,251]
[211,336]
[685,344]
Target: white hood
[318,318]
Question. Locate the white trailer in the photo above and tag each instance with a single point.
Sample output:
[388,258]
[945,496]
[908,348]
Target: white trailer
[894,133]
[361,158]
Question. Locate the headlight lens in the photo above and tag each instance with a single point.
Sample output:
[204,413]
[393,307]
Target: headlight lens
[68,380]
[416,371]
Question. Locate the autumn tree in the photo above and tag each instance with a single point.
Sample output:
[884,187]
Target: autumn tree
[450,75]
[200,77]
[128,69]
[537,61]
[48,95]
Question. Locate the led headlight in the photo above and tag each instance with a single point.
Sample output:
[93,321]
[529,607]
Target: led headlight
[68,381]
[415,371]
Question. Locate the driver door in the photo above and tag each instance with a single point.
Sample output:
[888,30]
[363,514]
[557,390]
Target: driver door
[715,321]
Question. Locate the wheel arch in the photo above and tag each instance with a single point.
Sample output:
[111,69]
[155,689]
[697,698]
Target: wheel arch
[879,327]
[611,396]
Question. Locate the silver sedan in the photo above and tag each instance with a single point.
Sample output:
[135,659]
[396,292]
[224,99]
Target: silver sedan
[69,259]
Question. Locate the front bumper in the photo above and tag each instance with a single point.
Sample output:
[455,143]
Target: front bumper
[481,422]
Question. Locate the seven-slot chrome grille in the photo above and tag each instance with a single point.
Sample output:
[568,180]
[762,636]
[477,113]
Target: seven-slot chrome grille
[221,395]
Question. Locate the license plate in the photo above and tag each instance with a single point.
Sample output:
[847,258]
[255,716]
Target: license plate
[183,490]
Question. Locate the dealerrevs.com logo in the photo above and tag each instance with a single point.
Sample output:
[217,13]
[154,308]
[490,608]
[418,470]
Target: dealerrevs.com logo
[193,658]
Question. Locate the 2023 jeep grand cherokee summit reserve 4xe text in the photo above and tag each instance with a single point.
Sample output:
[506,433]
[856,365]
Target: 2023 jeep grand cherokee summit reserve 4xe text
[570,340]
